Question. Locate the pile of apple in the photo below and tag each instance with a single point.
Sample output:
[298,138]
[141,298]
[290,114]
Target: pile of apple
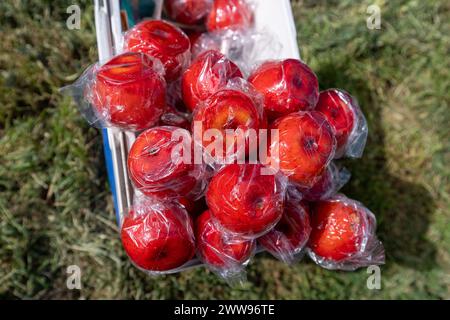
[286,202]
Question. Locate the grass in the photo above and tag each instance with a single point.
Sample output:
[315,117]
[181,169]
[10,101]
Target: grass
[56,209]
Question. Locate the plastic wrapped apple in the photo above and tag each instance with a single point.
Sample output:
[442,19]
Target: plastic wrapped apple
[233,115]
[162,40]
[345,116]
[287,86]
[246,200]
[127,92]
[208,73]
[288,238]
[157,236]
[161,164]
[224,253]
[343,235]
[188,12]
[229,14]
[328,184]
[303,148]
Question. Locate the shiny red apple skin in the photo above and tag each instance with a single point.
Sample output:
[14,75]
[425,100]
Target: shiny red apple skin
[219,249]
[208,73]
[337,229]
[306,145]
[162,40]
[288,238]
[128,92]
[152,169]
[188,12]
[337,106]
[287,86]
[229,14]
[158,237]
[231,109]
[244,201]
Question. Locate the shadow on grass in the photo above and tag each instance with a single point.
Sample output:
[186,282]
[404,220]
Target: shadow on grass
[403,209]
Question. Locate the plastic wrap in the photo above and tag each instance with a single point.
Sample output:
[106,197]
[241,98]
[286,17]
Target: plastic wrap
[227,124]
[188,12]
[161,164]
[230,14]
[208,72]
[158,236]
[244,47]
[347,119]
[128,92]
[287,240]
[329,183]
[246,199]
[162,40]
[174,117]
[303,148]
[343,235]
[224,253]
[287,86]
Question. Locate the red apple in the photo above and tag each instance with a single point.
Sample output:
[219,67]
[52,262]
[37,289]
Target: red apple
[288,238]
[189,12]
[161,40]
[176,118]
[287,86]
[156,165]
[218,249]
[329,182]
[128,92]
[233,111]
[208,73]
[340,110]
[343,232]
[244,201]
[229,14]
[305,146]
[158,236]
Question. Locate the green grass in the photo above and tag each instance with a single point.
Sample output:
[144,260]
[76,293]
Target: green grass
[56,210]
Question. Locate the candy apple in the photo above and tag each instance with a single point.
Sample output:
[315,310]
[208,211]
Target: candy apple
[189,12]
[158,236]
[245,201]
[343,234]
[287,86]
[128,92]
[208,73]
[162,40]
[340,109]
[217,248]
[304,147]
[237,116]
[229,14]
[158,165]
